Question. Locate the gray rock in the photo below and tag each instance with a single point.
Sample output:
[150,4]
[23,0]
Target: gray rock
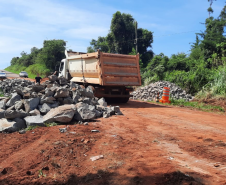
[11,108]
[62,80]
[116,109]
[34,121]
[31,104]
[87,100]
[34,95]
[38,88]
[100,108]
[2,113]
[44,108]
[7,125]
[84,112]
[50,100]
[106,114]
[12,114]
[76,96]
[19,105]
[68,100]
[102,102]
[62,114]
[48,92]
[19,91]
[61,93]
[52,78]
[15,97]
[2,104]
[34,112]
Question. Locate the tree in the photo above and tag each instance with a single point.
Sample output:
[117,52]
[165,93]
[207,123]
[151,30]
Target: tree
[121,38]
[52,53]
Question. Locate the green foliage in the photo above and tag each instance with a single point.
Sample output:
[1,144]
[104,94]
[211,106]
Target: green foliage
[203,70]
[31,128]
[51,124]
[121,38]
[1,93]
[51,54]
[197,105]
[215,88]
[42,61]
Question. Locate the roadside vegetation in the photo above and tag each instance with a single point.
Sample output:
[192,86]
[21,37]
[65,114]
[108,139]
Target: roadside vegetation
[201,73]
[42,61]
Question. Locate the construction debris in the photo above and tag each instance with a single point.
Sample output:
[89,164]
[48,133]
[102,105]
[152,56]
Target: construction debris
[154,91]
[26,104]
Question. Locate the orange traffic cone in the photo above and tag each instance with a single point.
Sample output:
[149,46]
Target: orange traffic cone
[165,95]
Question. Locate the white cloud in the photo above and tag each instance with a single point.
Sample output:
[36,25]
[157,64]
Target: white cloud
[87,32]
[28,23]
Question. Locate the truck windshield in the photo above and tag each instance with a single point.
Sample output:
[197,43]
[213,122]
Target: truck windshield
[61,66]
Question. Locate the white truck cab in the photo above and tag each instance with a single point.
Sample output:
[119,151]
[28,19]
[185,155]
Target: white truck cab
[63,69]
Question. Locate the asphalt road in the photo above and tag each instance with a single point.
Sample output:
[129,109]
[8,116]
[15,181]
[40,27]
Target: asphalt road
[9,74]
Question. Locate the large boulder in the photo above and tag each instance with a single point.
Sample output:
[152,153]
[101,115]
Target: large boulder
[102,102]
[34,121]
[62,114]
[12,114]
[31,104]
[61,93]
[12,101]
[7,125]
[85,112]
[52,78]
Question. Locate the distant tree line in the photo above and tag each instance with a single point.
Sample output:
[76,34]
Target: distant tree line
[42,60]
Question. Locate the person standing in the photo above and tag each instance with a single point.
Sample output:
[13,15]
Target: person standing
[38,79]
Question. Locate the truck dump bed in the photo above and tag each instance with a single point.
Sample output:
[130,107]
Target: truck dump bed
[105,69]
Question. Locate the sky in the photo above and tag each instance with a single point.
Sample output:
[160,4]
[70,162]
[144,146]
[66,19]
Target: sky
[27,23]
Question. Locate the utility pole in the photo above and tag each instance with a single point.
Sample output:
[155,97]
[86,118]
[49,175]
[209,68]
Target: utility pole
[136,36]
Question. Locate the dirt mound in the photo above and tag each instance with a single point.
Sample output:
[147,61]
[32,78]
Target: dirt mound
[214,102]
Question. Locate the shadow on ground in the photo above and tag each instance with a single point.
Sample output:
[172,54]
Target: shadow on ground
[107,178]
[137,104]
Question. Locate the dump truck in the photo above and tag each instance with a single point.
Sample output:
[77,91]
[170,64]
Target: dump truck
[111,76]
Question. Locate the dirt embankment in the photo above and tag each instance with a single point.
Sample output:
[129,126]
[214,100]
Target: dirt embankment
[150,144]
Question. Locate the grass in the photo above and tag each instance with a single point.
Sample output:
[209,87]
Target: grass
[1,93]
[31,127]
[31,70]
[193,104]
[51,124]
[46,124]
[197,105]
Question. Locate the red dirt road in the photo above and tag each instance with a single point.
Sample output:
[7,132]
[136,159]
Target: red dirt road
[150,144]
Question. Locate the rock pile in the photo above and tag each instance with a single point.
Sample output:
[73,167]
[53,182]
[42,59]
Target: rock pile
[55,100]
[150,91]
